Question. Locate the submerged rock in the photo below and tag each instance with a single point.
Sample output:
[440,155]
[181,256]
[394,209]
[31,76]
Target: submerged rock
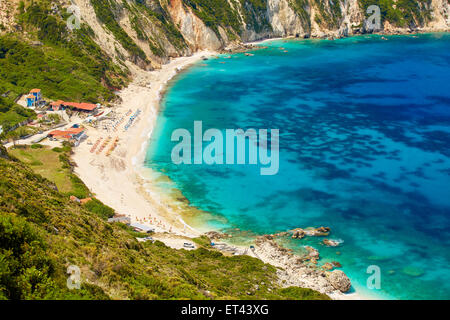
[312,253]
[328,266]
[339,280]
[214,235]
[298,234]
[317,232]
[282,234]
[413,271]
[331,243]
[336,264]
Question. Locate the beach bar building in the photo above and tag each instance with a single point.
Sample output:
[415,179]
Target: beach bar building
[81,107]
[56,105]
[72,134]
[75,106]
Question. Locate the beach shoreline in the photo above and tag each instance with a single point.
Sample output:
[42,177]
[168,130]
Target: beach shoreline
[118,180]
[122,182]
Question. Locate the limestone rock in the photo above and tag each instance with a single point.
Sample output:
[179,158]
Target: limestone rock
[330,243]
[339,280]
[312,253]
[298,233]
[214,235]
[328,266]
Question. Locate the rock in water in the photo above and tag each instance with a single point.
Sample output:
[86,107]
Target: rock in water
[330,243]
[336,264]
[339,280]
[327,266]
[412,271]
[298,234]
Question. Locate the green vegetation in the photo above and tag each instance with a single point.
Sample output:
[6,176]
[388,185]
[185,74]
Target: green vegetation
[97,207]
[65,65]
[11,113]
[19,133]
[104,9]
[215,13]
[300,7]
[406,12]
[255,15]
[330,13]
[158,16]
[82,58]
[42,232]
[53,165]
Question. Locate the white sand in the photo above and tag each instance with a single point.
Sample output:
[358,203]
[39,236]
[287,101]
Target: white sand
[117,180]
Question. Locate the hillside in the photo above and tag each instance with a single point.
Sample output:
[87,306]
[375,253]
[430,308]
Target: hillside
[42,233]
[147,32]
[37,49]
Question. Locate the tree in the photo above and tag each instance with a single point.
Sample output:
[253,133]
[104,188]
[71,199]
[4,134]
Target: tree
[13,136]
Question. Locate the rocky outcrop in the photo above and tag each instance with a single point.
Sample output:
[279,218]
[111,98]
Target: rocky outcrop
[339,280]
[193,29]
[300,270]
[214,235]
[331,243]
[300,233]
[7,12]
[283,19]
[160,29]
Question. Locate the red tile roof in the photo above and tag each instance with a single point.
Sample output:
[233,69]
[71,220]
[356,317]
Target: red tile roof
[75,130]
[81,106]
[56,133]
[56,103]
[66,133]
[35,90]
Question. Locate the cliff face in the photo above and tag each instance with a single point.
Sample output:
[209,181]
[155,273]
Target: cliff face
[148,32]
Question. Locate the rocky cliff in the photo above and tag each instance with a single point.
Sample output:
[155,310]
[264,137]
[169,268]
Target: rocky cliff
[148,32]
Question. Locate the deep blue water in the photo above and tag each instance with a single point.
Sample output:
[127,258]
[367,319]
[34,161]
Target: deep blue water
[364,149]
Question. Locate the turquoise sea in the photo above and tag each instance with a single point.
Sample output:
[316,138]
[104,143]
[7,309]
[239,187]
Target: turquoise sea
[364,149]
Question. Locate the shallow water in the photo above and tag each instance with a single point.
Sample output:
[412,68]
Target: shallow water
[364,149]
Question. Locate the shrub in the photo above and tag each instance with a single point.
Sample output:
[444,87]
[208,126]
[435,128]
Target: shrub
[97,207]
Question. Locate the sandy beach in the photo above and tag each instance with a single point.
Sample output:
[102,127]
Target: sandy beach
[121,181]
[117,180]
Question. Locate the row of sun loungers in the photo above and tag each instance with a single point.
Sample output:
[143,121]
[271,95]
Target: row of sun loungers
[113,147]
[103,146]
[132,118]
[96,145]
